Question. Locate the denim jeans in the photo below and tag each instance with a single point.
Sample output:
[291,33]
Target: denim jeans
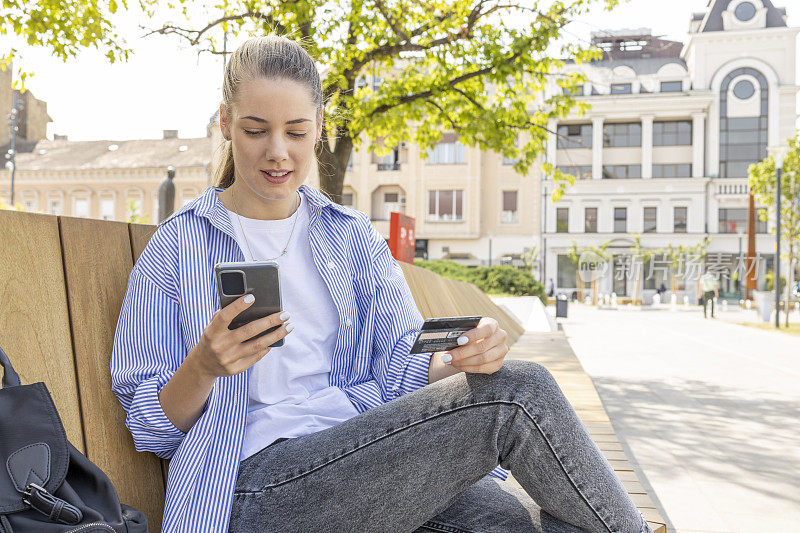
[419,463]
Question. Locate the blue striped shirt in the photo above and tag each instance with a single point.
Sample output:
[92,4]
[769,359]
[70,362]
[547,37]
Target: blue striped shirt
[170,299]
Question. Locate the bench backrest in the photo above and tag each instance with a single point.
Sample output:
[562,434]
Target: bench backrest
[62,282]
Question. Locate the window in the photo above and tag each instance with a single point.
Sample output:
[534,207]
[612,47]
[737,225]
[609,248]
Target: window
[448,151]
[620,219]
[742,140]
[581,172]
[347,199]
[574,136]
[655,272]
[744,89]
[390,161]
[680,170]
[672,133]
[80,208]
[761,225]
[562,219]
[509,214]
[54,206]
[621,88]
[650,220]
[679,219]
[445,205]
[350,162]
[622,172]
[590,220]
[577,91]
[567,272]
[732,220]
[622,134]
[671,86]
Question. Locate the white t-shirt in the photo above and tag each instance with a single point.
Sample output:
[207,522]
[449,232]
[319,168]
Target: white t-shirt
[290,392]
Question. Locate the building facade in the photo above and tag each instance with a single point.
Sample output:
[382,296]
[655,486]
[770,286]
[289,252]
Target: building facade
[663,153]
[110,180]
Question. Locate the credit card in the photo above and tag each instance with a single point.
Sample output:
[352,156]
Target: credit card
[441,334]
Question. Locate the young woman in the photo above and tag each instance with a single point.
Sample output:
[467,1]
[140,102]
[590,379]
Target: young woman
[340,429]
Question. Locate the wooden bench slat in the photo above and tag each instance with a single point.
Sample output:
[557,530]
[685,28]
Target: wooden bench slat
[34,323]
[96,284]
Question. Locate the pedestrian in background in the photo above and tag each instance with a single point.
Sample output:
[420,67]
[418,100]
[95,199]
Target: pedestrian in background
[710,291]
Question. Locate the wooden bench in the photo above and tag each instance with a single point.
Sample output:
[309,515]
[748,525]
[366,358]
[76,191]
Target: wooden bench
[62,282]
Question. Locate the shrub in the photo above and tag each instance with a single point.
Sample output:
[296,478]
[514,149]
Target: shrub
[491,280]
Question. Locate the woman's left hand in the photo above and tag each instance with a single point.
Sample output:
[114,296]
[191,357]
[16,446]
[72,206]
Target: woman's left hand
[482,350]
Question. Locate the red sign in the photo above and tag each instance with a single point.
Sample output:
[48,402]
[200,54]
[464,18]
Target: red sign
[401,237]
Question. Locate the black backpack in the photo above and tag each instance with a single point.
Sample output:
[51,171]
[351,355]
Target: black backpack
[46,485]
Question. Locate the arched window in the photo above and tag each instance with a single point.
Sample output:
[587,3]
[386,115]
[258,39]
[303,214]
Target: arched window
[742,135]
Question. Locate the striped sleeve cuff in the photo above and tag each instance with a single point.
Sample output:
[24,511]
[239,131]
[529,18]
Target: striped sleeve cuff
[146,418]
[500,473]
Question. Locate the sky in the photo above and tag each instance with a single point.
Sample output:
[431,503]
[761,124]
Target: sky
[167,85]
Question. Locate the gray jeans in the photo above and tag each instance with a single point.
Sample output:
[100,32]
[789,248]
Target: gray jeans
[419,463]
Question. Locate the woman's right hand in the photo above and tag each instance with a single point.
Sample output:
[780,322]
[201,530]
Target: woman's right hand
[223,352]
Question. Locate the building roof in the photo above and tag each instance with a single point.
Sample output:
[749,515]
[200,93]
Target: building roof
[146,153]
[713,19]
[640,65]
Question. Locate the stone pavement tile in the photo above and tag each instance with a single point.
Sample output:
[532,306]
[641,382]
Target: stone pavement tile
[757,522]
[748,494]
[688,506]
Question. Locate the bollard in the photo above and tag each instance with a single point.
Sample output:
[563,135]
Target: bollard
[166,195]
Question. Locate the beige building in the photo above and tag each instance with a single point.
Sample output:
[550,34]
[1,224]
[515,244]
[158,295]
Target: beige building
[467,203]
[97,179]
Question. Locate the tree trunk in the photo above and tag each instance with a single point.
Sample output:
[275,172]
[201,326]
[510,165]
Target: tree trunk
[332,164]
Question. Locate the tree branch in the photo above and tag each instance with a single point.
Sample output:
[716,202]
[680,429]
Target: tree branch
[194,41]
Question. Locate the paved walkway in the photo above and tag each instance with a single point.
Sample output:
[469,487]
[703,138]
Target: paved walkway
[709,410]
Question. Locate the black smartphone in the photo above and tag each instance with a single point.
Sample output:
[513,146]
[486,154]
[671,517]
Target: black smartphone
[259,278]
[441,334]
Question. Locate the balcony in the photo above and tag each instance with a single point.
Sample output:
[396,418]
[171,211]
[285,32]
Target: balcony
[389,166]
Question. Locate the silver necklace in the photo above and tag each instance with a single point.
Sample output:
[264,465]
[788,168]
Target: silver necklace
[239,218]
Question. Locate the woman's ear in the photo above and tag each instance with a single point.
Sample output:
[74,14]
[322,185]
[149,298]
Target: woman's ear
[224,123]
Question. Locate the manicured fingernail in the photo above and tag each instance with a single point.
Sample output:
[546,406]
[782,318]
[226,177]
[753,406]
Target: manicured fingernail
[462,340]
[446,358]
[284,315]
[289,327]
[249,299]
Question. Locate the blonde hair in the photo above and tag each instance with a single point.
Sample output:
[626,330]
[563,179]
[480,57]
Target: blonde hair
[264,57]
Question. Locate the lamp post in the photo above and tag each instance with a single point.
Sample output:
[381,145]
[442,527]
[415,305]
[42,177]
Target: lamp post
[13,120]
[778,154]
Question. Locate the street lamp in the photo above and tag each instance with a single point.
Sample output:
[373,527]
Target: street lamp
[778,154]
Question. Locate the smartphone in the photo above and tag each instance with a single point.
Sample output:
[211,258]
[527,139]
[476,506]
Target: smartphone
[441,334]
[259,278]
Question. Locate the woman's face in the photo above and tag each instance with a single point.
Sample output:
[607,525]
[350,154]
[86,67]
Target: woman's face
[273,127]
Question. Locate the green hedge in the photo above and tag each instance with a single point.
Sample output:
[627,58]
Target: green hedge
[494,280]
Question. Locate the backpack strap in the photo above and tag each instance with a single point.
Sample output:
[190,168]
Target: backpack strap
[10,377]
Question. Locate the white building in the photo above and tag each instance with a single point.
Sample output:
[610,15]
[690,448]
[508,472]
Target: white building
[664,150]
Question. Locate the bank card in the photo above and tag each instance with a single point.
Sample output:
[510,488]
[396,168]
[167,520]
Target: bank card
[441,334]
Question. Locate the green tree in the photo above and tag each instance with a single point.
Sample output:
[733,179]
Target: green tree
[474,67]
[133,213]
[762,183]
[64,28]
